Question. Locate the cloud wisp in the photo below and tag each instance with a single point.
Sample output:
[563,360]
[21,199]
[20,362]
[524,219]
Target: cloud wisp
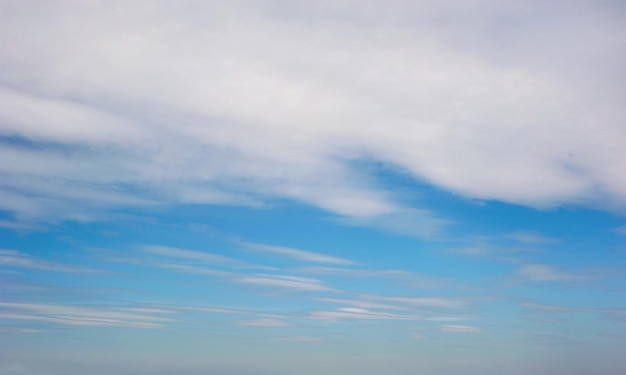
[616,315]
[265,322]
[298,254]
[544,272]
[459,329]
[286,282]
[355,313]
[17,259]
[198,257]
[381,307]
[92,316]
[406,278]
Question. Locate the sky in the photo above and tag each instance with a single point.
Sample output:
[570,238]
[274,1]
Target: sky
[312,187]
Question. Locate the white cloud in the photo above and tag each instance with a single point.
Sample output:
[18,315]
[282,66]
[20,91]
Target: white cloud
[356,313]
[459,329]
[542,272]
[203,102]
[385,302]
[506,247]
[95,316]
[621,230]
[194,270]
[423,302]
[447,318]
[230,312]
[411,222]
[360,303]
[20,226]
[298,339]
[14,258]
[198,256]
[298,254]
[370,306]
[532,237]
[405,278]
[283,281]
[262,323]
[487,249]
[615,315]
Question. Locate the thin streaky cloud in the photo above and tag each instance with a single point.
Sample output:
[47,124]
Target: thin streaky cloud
[350,307]
[418,302]
[199,256]
[354,272]
[420,223]
[486,249]
[389,302]
[355,313]
[459,329]
[361,303]
[406,278]
[617,315]
[621,230]
[95,316]
[284,281]
[100,321]
[262,323]
[18,259]
[448,318]
[21,226]
[544,272]
[298,339]
[194,270]
[532,237]
[229,311]
[298,254]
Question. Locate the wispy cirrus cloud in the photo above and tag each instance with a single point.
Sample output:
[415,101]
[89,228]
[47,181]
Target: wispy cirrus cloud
[419,223]
[354,313]
[530,237]
[298,254]
[505,245]
[225,311]
[422,302]
[425,305]
[537,272]
[199,257]
[20,226]
[621,230]
[617,315]
[262,323]
[544,272]
[193,270]
[363,304]
[403,277]
[284,282]
[500,247]
[298,339]
[459,329]
[93,316]
[18,259]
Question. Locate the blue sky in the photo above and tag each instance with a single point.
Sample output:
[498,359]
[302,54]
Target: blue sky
[267,187]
